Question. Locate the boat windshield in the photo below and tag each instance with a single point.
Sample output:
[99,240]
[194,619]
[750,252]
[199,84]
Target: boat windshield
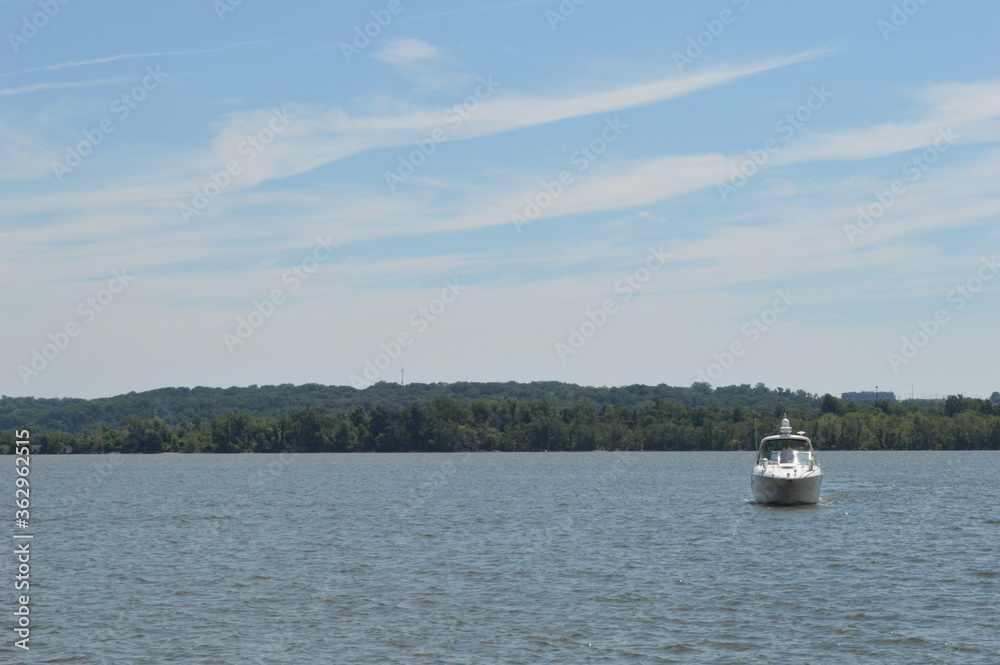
[801,456]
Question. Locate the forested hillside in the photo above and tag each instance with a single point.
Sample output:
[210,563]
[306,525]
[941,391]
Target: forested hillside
[178,405]
[486,417]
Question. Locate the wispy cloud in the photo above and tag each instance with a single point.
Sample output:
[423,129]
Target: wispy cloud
[972,109]
[38,87]
[407,52]
[131,56]
[321,136]
[22,158]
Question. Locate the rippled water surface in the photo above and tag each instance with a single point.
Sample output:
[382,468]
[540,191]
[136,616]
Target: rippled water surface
[508,558]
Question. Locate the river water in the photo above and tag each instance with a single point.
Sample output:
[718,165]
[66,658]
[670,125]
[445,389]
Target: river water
[481,558]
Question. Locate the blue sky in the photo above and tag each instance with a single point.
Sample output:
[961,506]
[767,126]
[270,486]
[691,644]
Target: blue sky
[803,194]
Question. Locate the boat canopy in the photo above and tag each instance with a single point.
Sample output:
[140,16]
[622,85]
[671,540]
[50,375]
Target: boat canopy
[770,446]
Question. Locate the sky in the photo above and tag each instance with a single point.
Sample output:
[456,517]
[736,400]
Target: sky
[232,193]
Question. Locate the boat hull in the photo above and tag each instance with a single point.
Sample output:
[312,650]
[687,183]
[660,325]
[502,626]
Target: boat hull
[774,488]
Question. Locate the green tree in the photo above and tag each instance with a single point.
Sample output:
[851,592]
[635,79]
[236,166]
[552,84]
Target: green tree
[310,430]
[240,432]
[831,404]
[143,435]
[7,442]
[52,443]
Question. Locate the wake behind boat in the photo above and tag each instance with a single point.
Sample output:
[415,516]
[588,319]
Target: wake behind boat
[786,470]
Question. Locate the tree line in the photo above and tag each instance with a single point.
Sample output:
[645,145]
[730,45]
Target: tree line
[176,405]
[447,424]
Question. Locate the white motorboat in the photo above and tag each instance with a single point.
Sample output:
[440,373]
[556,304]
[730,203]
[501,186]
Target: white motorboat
[786,470]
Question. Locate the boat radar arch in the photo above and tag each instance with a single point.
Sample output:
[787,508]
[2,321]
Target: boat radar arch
[786,428]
